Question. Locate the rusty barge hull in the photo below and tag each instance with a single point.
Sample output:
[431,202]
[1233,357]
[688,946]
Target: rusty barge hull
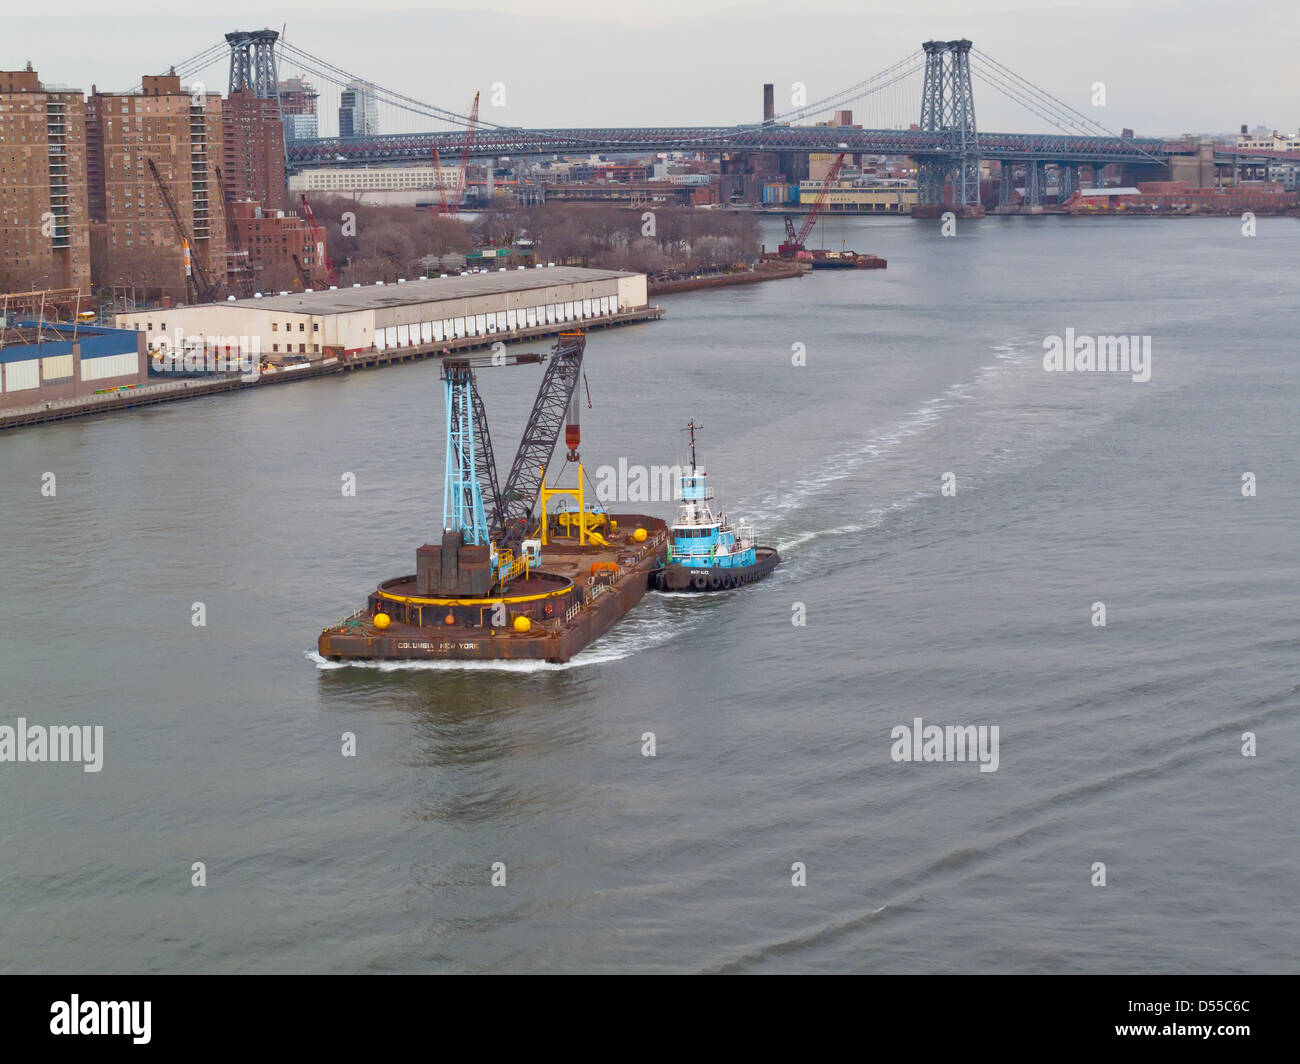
[574,598]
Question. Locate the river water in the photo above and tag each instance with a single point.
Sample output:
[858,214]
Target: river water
[1119,744]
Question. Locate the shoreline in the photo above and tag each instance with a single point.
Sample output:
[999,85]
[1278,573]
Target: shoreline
[174,390]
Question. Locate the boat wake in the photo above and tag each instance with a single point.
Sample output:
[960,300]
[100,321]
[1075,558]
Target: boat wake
[1010,357]
[792,542]
[1011,426]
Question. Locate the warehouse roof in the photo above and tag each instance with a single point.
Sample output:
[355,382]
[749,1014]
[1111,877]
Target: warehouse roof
[20,343]
[466,286]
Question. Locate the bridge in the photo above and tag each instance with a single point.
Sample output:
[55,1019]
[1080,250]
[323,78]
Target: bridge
[946,142]
[493,143]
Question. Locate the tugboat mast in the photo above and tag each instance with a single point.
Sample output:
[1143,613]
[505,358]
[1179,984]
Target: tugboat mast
[691,427]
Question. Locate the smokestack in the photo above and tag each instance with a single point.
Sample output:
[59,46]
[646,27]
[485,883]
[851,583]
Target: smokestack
[769,104]
[1243,129]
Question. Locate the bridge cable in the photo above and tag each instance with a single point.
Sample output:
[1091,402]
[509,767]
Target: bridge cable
[536,141]
[396,99]
[1009,91]
[184,68]
[863,88]
[1076,117]
[1065,109]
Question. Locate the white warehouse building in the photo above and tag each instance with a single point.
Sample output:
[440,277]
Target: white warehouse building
[372,178]
[506,304]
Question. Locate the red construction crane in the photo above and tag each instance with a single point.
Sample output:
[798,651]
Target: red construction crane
[794,241]
[322,253]
[464,151]
[437,180]
[446,206]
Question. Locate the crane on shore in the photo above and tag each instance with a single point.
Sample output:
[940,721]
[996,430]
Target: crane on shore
[323,255]
[243,260]
[446,207]
[197,282]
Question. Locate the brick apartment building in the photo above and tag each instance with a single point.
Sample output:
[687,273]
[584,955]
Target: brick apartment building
[137,242]
[269,239]
[80,203]
[44,223]
[253,150]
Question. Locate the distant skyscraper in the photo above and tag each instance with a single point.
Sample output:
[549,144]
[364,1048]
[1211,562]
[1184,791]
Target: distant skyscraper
[297,96]
[300,127]
[358,110]
[298,107]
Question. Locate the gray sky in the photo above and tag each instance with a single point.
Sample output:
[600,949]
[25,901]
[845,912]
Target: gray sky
[1168,67]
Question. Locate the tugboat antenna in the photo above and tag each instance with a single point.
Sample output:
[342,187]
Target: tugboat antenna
[691,427]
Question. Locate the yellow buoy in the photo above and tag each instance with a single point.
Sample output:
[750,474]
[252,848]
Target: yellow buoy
[639,535]
[522,624]
[382,621]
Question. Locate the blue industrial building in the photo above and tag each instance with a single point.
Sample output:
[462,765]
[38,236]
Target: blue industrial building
[41,363]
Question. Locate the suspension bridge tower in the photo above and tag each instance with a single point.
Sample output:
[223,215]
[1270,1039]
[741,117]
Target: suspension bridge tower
[252,62]
[948,108]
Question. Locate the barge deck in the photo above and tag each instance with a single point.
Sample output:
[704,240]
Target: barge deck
[550,614]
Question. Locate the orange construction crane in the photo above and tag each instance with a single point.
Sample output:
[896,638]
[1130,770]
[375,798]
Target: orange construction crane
[201,287]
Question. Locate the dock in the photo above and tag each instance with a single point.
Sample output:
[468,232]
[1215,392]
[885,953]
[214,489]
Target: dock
[169,391]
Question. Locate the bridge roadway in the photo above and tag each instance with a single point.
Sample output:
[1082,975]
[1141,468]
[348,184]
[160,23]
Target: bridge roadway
[493,142]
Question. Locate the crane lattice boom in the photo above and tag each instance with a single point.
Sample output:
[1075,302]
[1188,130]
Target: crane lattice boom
[509,523]
[794,241]
[468,147]
[195,276]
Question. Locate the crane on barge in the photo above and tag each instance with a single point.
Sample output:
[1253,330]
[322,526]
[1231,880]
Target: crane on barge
[472,597]
[793,246]
[478,510]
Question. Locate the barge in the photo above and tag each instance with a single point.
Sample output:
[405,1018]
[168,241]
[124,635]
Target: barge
[846,260]
[506,583]
[578,592]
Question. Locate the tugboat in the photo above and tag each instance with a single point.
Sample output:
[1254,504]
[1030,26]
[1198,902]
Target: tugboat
[706,553]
